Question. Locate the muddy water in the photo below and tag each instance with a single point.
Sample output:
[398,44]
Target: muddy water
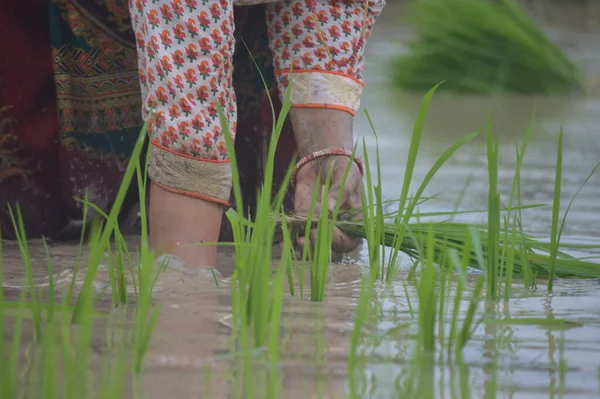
[519,361]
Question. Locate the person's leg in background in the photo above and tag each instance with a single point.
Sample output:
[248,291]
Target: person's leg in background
[185,55]
[29,164]
[323,42]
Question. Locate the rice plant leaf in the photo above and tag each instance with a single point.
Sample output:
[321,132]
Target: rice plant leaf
[98,249]
[554,235]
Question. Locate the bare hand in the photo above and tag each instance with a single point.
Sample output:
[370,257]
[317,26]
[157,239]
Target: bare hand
[350,196]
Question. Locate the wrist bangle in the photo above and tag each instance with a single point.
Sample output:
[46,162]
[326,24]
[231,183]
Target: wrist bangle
[324,153]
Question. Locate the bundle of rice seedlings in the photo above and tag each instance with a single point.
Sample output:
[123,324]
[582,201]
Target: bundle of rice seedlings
[481,46]
[526,255]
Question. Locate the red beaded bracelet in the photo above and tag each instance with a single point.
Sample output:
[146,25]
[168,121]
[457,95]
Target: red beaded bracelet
[323,153]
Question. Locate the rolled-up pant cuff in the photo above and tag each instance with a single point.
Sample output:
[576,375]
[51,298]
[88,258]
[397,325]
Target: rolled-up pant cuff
[322,89]
[205,179]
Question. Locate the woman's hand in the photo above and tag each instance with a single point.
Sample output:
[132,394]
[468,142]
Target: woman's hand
[350,196]
[317,130]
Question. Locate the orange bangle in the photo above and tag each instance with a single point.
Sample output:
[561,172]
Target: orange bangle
[323,153]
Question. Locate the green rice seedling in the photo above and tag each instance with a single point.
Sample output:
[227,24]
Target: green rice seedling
[146,317]
[8,371]
[407,206]
[372,206]
[43,376]
[322,252]
[117,364]
[428,298]
[146,320]
[40,377]
[51,294]
[480,47]
[75,326]
[469,323]
[34,295]
[510,248]
[432,304]
[464,381]
[458,294]
[324,237]
[112,276]
[555,210]
[556,232]
[118,272]
[529,275]
[9,387]
[405,214]
[97,250]
[493,215]
[251,296]
[76,352]
[112,380]
[426,371]
[274,375]
[301,266]
[445,284]
[84,322]
[69,295]
[460,333]
[511,244]
[50,357]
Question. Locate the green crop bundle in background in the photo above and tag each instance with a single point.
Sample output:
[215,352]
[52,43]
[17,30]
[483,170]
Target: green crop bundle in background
[481,46]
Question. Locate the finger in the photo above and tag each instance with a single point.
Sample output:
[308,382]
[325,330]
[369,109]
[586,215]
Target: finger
[340,191]
[342,242]
[312,238]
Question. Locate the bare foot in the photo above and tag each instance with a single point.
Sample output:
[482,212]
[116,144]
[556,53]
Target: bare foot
[176,270]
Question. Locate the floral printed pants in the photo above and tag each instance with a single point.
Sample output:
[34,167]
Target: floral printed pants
[185,51]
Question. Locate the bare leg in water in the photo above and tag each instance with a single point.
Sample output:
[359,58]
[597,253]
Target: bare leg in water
[177,222]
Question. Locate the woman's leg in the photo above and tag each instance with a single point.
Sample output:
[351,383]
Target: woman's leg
[185,51]
[323,42]
[98,100]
